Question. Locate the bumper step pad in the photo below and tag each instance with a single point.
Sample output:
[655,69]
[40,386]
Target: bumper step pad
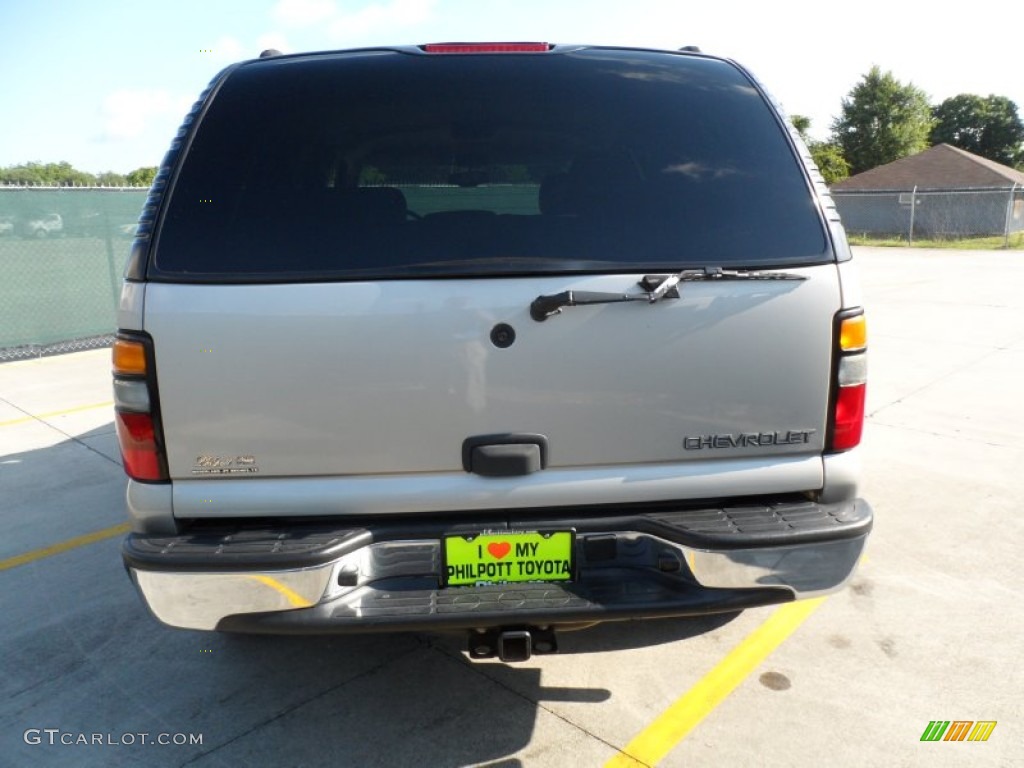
[383,575]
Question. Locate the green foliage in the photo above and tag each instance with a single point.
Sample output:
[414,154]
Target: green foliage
[62,174]
[828,156]
[50,174]
[987,126]
[370,175]
[882,120]
[802,123]
[141,177]
[110,179]
[991,243]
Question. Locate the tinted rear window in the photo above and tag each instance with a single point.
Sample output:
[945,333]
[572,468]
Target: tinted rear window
[387,164]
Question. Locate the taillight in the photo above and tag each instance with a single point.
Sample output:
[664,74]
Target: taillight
[850,386]
[487,47]
[137,438]
[135,412]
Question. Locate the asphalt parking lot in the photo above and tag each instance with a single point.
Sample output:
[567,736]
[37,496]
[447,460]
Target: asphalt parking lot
[929,629]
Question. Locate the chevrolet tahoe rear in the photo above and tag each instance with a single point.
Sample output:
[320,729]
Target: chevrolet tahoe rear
[498,338]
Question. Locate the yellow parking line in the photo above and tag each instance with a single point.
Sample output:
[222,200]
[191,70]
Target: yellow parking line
[293,597]
[64,546]
[51,414]
[659,738]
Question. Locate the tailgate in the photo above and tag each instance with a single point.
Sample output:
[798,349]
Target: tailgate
[389,378]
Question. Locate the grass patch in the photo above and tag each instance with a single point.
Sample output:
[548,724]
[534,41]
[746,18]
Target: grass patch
[999,242]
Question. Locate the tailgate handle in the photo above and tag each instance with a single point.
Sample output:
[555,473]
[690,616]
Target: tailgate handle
[507,455]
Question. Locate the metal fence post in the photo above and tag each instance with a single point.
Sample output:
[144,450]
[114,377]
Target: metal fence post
[1009,216]
[913,209]
[111,272]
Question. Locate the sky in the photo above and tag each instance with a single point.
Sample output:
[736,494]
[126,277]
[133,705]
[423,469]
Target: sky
[104,84]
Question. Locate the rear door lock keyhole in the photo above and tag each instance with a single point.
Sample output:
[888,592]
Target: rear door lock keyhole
[503,335]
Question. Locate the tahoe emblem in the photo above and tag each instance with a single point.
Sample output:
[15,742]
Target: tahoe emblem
[224,465]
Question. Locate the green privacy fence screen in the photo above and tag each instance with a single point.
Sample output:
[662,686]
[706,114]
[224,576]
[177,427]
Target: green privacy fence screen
[62,255]
[63,251]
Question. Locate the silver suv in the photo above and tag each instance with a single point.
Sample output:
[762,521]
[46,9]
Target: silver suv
[500,338]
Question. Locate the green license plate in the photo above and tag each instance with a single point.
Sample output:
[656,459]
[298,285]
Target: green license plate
[495,558]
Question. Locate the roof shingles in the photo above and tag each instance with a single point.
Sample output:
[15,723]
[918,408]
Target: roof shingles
[940,167]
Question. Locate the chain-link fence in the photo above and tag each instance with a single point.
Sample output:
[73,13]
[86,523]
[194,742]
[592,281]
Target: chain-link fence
[62,254]
[63,250]
[937,214]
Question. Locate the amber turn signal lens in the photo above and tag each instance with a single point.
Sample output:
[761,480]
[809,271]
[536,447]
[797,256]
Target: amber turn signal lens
[853,334]
[129,357]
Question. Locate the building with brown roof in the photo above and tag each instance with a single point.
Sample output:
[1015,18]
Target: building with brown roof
[942,191]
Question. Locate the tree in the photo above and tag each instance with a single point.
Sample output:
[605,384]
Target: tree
[882,120]
[16,174]
[827,155]
[142,177]
[989,127]
[802,123]
[50,174]
[63,174]
[110,179]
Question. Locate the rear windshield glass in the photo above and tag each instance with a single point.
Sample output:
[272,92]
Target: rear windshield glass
[387,164]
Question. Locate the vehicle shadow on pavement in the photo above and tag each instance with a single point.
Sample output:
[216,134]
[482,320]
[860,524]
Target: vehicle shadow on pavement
[613,635]
[83,656]
[57,482]
[629,635]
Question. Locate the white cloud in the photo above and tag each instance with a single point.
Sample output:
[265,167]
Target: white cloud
[228,49]
[346,24]
[272,40]
[302,13]
[128,112]
[397,13]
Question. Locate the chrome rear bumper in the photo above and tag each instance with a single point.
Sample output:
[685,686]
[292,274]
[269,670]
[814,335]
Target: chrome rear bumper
[387,576]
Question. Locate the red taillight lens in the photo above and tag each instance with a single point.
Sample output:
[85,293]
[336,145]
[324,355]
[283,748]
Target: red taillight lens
[137,438]
[847,422]
[849,417]
[487,47]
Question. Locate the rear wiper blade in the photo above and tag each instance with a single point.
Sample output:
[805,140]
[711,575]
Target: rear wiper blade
[656,288]
[544,307]
[660,286]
